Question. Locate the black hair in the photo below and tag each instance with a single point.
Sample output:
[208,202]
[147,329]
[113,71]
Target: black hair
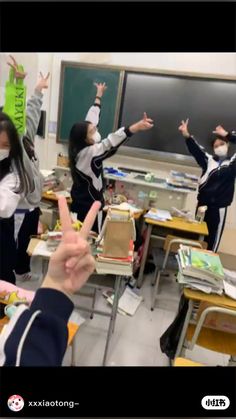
[77,142]
[218,137]
[15,159]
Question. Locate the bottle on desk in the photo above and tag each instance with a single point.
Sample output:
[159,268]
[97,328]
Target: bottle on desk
[201,214]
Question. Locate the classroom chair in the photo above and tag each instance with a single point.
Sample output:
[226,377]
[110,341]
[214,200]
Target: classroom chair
[171,244]
[184,362]
[210,338]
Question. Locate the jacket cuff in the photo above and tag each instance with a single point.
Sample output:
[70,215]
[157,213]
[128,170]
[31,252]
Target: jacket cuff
[38,94]
[54,302]
[128,133]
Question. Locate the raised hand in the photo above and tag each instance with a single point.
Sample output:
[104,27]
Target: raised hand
[72,263]
[183,128]
[42,82]
[220,131]
[143,125]
[18,69]
[101,88]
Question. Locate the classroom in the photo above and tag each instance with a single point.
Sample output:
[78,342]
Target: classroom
[148,276]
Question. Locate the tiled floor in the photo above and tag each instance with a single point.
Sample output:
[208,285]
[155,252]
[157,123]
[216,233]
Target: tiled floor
[136,339]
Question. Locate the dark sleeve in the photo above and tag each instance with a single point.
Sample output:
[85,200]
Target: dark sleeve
[109,146]
[39,335]
[232,137]
[198,152]
[233,164]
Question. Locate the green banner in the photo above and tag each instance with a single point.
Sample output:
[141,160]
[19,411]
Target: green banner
[15,101]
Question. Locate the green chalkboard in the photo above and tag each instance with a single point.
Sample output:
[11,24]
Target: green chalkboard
[77,94]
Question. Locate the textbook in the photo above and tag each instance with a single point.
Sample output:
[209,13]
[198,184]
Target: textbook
[200,269]
[201,264]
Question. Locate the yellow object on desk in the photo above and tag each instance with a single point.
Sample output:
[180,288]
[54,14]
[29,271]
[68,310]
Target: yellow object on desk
[182,225]
[51,196]
[76,225]
[183,362]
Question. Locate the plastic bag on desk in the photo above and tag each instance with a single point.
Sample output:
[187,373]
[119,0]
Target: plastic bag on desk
[170,338]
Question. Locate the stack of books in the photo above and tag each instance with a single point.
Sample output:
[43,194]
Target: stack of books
[112,265]
[49,180]
[182,180]
[200,270]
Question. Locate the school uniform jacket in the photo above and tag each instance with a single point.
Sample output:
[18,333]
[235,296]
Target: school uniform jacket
[216,184]
[88,186]
[37,335]
[10,200]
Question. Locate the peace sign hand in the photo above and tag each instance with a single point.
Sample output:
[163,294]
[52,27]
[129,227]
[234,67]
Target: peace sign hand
[183,128]
[18,69]
[42,82]
[72,263]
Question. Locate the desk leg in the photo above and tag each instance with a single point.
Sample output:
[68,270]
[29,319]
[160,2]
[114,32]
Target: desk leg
[45,263]
[113,317]
[144,258]
[184,330]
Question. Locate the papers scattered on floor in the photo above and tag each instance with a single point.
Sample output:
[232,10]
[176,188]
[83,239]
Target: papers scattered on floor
[76,318]
[128,302]
[158,215]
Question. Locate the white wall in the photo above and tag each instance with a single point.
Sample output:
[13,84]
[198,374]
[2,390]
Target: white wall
[47,149]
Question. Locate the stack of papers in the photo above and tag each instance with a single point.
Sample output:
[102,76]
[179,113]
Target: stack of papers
[50,180]
[158,215]
[182,180]
[200,269]
[230,283]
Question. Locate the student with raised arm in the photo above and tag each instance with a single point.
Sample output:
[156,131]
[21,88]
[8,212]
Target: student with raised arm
[28,210]
[37,336]
[216,184]
[86,156]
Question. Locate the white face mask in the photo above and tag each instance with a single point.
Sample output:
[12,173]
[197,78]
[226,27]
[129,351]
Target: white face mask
[221,151]
[96,137]
[4,153]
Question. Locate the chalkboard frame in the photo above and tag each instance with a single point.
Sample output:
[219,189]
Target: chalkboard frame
[160,155]
[72,64]
[124,70]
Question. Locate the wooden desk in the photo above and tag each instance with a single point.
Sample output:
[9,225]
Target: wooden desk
[177,224]
[52,197]
[188,328]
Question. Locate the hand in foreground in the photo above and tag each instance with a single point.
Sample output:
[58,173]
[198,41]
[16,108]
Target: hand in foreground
[72,263]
